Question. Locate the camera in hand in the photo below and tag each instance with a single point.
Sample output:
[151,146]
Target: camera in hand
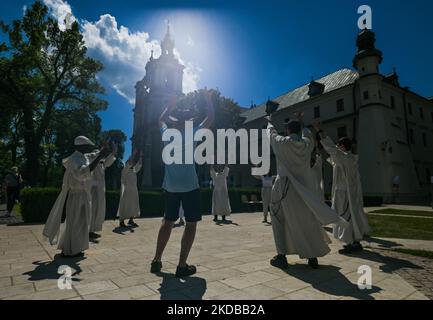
[271,107]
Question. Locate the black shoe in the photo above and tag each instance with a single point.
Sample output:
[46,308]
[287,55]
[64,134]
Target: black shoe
[356,247]
[122,224]
[224,219]
[185,271]
[313,263]
[156,267]
[348,249]
[93,235]
[132,223]
[78,255]
[279,261]
[215,219]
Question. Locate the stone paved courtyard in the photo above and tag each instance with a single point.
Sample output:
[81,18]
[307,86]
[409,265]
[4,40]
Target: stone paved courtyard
[232,261]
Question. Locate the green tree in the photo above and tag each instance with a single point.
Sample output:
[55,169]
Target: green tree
[44,69]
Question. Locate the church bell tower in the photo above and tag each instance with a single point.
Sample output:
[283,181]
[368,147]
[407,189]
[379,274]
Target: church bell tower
[163,79]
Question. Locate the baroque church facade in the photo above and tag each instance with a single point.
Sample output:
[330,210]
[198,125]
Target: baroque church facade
[392,126]
[163,79]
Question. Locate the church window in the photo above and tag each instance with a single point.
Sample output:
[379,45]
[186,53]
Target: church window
[424,139]
[409,107]
[366,95]
[392,102]
[411,136]
[421,113]
[340,105]
[316,112]
[342,132]
[432,117]
[428,175]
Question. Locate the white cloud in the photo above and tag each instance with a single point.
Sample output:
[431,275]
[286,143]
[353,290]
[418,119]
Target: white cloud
[190,41]
[62,11]
[124,53]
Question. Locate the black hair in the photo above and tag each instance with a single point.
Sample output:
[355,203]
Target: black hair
[346,142]
[294,126]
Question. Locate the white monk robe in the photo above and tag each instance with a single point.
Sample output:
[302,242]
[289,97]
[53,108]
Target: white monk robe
[220,195]
[74,236]
[297,212]
[97,191]
[267,183]
[347,198]
[317,174]
[129,205]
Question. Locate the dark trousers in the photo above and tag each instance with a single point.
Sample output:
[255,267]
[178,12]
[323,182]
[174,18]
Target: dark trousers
[12,194]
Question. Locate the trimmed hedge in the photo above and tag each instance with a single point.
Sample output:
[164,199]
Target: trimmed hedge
[36,203]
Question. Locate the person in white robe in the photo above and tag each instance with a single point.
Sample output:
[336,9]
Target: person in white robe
[73,236]
[298,214]
[317,173]
[129,205]
[347,197]
[97,192]
[220,195]
[267,183]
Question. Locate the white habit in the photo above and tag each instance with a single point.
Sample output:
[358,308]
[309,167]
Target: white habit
[317,175]
[267,183]
[74,236]
[297,212]
[347,198]
[97,191]
[129,205]
[220,196]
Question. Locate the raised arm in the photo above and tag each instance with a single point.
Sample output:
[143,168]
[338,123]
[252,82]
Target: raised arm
[210,112]
[327,143]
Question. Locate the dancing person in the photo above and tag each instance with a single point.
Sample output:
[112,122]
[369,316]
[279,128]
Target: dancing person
[298,214]
[181,187]
[13,182]
[97,192]
[267,184]
[74,239]
[347,198]
[220,194]
[129,204]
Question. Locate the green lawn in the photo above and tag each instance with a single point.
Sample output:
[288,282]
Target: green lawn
[418,253]
[401,227]
[404,212]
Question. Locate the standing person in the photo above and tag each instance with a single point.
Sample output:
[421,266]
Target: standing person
[13,181]
[317,173]
[347,198]
[74,239]
[181,188]
[220,194]
[129,205]
[97,192]
[267,184]
[297,213]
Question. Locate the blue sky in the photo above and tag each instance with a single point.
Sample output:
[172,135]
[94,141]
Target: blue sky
[249,50]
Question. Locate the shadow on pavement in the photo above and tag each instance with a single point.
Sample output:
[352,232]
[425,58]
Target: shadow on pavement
[49,270]
[328,279]
[383,243]
[188,288]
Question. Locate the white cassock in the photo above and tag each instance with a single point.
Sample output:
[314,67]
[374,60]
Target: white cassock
[97,191]
[129,205]
[74,233]
[297,212]
[317,175]
[267,183]
[347,197]
[220,195]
